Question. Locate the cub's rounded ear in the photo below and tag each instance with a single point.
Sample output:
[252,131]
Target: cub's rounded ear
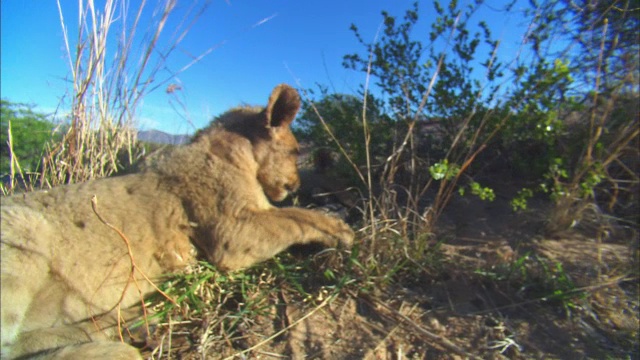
[283,106]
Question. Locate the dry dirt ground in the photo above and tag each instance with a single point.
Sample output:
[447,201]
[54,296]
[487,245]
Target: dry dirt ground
[490,297]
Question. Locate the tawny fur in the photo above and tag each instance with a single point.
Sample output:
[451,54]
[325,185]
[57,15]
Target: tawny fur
[64,272]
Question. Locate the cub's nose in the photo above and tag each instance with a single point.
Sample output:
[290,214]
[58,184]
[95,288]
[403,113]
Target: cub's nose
[292,186]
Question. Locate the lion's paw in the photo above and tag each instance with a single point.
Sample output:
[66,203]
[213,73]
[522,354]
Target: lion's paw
[344,234]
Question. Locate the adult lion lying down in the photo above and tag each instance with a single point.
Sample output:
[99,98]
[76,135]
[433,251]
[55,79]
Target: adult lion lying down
[64,271]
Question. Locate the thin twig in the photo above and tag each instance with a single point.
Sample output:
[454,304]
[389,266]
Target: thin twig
[134,268]
[367,141]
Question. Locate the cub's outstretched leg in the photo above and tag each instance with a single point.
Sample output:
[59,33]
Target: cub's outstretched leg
[274,230]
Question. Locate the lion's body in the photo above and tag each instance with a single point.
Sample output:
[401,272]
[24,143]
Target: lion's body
[61,265]
[64,271]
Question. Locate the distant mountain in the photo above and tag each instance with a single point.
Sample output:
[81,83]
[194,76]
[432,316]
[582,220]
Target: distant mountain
[160,137]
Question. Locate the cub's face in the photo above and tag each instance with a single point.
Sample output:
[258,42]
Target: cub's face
[277,150]
[277,159]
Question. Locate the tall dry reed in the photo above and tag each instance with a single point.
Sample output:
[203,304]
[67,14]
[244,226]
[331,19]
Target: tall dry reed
[117,57]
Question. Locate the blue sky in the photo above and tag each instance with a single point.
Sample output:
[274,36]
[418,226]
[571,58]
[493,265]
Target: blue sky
[302,44]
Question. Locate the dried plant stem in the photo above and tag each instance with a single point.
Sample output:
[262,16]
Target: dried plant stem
[595,130]
[134,268]
[367,144]
[107,88]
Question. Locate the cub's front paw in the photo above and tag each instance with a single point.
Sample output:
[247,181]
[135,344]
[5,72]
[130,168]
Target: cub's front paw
[344,233]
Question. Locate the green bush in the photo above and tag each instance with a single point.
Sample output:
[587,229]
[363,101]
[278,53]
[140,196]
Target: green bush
[30,132]
[343,116]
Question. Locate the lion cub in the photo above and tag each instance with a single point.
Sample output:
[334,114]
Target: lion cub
[64,272]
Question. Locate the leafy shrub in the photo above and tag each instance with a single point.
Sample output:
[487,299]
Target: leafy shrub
[23,139]
[342,115]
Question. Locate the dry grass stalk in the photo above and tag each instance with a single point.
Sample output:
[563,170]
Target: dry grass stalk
[107,88]
[133,270]
[14,167]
